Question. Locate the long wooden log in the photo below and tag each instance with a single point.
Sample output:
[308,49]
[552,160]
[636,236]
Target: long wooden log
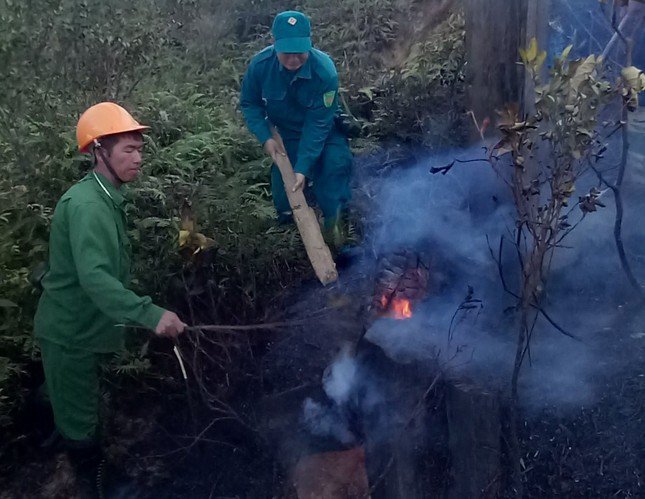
[307,223]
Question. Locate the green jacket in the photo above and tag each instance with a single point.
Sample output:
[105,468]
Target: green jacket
[84,291]
[301,104]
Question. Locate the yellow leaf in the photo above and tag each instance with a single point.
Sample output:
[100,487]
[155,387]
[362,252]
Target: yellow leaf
[582,72]
[184,235]
[540,59]
[532,51]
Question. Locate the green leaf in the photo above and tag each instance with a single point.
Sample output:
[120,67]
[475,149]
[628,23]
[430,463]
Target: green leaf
[565,53]
[4,303]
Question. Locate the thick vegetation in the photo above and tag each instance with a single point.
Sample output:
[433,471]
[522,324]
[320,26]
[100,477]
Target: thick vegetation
[177,65]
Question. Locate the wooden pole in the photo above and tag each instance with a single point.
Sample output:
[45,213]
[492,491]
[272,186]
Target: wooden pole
[306,221]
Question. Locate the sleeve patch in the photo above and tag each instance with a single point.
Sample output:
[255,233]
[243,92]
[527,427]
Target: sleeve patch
[328,98]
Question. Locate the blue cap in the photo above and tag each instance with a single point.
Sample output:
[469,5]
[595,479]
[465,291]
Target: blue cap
[291,32]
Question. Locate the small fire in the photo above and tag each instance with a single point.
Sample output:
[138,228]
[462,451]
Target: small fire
[398,308]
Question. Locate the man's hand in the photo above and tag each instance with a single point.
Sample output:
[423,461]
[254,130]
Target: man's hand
[169,325]
[300,182]
[273,149]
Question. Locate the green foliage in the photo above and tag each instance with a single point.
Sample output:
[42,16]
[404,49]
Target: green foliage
[355,33]
[85,49]
[23,241]
[177,65]
[565,126]
[10,391]
[422,100]
[550,147]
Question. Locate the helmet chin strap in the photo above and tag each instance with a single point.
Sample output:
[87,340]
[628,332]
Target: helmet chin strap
[99,149]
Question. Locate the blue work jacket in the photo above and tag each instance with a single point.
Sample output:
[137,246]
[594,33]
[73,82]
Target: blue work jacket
[301,104]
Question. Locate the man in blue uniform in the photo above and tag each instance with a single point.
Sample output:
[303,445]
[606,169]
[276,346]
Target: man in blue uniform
[294,87]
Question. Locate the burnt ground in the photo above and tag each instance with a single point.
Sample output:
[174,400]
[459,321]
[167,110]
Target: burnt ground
[168,444]
[592,451]
[597,450]
[164,440]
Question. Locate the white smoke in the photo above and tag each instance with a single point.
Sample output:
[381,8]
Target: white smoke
[339,378]
[461,217]
[326,421]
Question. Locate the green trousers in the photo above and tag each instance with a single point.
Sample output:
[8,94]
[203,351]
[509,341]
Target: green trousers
[72,378]
[330,176]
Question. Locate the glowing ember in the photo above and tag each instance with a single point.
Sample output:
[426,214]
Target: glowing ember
[398,308]
[401,309]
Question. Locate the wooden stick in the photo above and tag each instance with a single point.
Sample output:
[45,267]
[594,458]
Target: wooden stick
[306,221]
[253,327]
[245,327]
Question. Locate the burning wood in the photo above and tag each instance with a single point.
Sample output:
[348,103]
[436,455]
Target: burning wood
[401,281]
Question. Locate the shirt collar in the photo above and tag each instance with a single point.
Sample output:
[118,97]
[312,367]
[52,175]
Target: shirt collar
[305,70]
[107,188]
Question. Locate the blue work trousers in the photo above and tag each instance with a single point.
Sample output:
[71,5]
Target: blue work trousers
[330,178]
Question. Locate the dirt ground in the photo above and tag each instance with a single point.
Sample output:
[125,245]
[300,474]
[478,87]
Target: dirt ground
[592,451]
[168,445]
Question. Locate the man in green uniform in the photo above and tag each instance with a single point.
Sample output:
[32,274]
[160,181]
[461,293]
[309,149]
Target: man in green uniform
[85,292]
[294,87]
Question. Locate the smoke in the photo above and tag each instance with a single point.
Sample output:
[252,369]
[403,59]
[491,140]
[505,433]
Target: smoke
[326,421]
[340,385]
[352,393]
[460,218]
[339,379]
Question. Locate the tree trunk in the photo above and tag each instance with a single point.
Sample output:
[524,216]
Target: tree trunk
[494,32]
[474,430]
[537,22]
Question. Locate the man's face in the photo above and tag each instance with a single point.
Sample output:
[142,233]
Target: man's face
[126,157]
[292,61]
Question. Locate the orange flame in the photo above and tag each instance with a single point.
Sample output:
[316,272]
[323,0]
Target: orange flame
[398,308]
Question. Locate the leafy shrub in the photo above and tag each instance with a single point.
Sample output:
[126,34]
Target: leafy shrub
[178,65]
[422,100]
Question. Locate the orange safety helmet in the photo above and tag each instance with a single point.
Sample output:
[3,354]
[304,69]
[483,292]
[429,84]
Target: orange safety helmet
[105,118]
